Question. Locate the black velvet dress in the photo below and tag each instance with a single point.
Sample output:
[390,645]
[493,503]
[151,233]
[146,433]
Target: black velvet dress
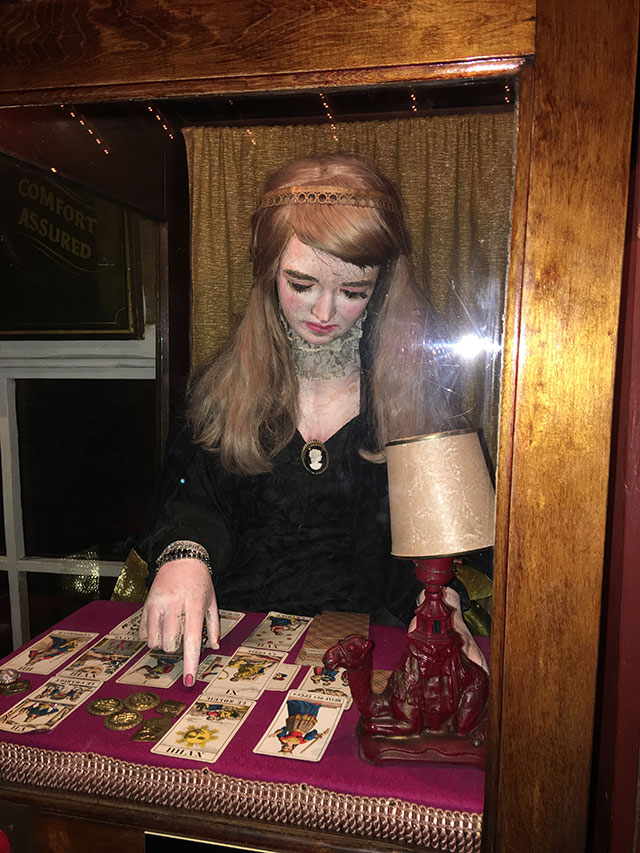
[290,540]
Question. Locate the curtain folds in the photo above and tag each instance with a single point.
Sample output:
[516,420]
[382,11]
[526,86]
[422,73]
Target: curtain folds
[455,173]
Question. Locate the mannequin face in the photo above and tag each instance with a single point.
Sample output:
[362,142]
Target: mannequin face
[321,296]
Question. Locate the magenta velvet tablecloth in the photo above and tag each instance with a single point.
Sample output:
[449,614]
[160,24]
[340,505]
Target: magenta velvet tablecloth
[453,787]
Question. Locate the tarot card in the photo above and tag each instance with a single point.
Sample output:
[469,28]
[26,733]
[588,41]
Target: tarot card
[129,628]
[32,715]
[205,729]
[278,631]
[50,652]
[325,681]
[228,620]
[104,659]
[246,673]
[155,669]
[65,691]
[326,630]
[283,677]
[303,726]
[211,667]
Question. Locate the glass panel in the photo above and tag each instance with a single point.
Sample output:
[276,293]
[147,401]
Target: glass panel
[5,616]
[87,454]
[3,537]
[449,149]
[53,597]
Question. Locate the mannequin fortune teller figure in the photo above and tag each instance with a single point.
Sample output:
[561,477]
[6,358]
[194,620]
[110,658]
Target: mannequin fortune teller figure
[276,498]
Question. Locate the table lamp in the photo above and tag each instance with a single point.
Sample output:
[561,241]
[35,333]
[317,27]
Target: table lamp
[434,706]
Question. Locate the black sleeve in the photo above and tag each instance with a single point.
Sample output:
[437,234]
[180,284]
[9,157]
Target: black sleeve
[187,506]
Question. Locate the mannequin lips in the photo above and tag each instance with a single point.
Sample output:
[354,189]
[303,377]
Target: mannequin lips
[317,329]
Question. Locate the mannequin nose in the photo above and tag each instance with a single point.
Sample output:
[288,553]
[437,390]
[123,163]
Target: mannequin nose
[324,308]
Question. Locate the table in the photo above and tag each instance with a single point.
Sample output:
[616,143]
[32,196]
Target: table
[80,771]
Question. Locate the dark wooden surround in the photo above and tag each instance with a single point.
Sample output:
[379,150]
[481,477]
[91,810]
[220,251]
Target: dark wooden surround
[576,63]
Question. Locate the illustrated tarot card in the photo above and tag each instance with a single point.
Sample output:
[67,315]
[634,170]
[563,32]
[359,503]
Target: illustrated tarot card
[65,691]
[211,667]
[228,620]
[303,726]
[283,677]
[50,652]
[246,673]
[278,631]
[32,715]
[205,729]
[129,628]
[325,681]
[155,669]
[105,658]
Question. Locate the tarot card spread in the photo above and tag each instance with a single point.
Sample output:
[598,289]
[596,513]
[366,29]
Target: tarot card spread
[278,631]
[211,667]
[129,628]
[50,652]
[205,729]
[104,659]
[228,620]
[283,677]
[48,705]
[303,727]
[155,669]
[247,673]
[325,681]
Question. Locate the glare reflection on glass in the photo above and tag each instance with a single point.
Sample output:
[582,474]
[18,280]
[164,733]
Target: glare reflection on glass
[471,346]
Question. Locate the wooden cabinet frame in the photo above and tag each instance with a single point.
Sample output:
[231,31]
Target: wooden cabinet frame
[576,63]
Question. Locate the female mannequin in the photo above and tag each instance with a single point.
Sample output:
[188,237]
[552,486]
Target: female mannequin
[282,502]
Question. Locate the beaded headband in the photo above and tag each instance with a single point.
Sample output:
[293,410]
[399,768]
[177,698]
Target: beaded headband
[331,196]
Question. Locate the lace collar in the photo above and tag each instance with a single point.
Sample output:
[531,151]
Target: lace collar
[325,361]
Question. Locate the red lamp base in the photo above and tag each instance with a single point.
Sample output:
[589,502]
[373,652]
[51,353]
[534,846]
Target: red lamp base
[434,705]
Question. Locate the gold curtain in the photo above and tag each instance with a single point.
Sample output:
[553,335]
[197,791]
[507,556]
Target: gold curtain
[455,174]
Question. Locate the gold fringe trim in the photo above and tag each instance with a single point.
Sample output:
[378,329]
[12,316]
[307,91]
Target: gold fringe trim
[202,790]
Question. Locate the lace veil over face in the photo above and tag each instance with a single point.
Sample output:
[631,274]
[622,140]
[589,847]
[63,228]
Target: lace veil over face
[325,361]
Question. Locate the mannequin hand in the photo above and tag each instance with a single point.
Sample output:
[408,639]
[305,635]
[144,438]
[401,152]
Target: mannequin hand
[469,646]
[180,598]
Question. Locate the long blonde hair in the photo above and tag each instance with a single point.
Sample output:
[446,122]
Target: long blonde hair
[243,403]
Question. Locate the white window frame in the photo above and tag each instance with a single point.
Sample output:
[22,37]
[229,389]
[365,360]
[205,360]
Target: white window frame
[52,360]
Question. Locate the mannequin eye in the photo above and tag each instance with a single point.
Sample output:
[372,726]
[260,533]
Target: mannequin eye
[300,288]
[356,294]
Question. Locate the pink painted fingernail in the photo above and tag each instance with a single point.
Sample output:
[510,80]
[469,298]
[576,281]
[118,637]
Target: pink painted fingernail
[189,680]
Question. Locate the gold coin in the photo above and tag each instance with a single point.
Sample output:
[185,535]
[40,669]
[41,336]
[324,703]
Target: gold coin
[170,707]
[153,729]
[104,707]
[141,701]
[122,720]
[21,686]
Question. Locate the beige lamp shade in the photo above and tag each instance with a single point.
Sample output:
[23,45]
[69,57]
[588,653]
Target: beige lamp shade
[440,493]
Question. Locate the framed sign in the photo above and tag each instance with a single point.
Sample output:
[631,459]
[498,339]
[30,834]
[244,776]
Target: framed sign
[67,259]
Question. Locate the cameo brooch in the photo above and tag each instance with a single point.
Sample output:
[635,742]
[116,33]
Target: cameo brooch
[315,457]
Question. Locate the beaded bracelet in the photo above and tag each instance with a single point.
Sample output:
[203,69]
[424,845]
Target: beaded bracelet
[184,550]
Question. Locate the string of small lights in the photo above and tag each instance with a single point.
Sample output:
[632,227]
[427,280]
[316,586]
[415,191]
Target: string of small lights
[77,116]
[155,112]
[329,116]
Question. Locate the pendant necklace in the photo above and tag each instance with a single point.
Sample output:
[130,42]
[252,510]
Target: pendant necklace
[325,361]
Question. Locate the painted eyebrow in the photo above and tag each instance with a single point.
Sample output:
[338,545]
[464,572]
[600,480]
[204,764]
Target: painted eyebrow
[367,282]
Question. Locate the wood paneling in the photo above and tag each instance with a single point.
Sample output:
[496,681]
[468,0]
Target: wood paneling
[60,44]
[562,315]
[582,111]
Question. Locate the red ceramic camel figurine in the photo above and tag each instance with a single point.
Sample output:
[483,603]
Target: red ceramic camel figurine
[434,705]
